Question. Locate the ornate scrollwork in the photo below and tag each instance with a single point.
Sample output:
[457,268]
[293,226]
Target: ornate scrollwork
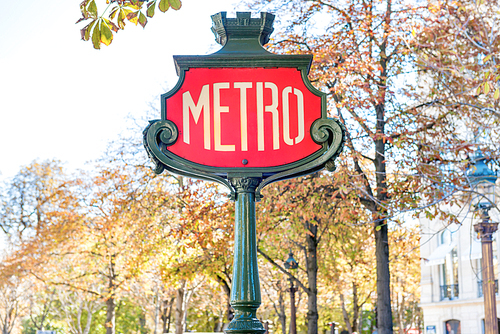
[159,167]
[331,131]
[165,132]
[156,137]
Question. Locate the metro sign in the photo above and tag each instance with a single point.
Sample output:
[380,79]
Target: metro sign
[243,117]
[243,112]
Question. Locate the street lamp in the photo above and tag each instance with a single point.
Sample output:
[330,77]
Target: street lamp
[483,181]
[292,264]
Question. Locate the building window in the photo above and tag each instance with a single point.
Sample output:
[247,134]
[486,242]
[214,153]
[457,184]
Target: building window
[452,327]
[449,270]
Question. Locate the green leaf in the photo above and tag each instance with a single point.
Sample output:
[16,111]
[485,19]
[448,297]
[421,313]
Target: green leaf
[378,228]
[88,29]
[142,19]
[121,19]
[497,94]
[164,5]
[106,34]
[151,9]
[92,8]
[486,88]
[96,37]
[176,4]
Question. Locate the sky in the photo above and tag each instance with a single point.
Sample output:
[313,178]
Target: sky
[62,99]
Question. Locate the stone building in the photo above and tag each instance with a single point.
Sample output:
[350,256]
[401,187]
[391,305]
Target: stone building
[451,283]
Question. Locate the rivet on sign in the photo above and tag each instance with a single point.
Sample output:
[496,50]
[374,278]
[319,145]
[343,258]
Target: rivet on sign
[245,161]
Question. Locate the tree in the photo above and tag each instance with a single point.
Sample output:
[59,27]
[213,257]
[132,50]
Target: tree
[458,53]
[405,280]
[78,308]
[459,50]
[13,293]
[302,215]
[95,244]
[102,26]
[32,196]
[362,60]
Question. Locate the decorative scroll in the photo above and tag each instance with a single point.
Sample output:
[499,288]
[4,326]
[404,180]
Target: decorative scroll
[160,133]
[324,131]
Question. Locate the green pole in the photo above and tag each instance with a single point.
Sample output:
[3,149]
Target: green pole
[245,290]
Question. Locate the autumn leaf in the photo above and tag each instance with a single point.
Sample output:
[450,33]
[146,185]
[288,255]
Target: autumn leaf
[486,87]
[151,9]
[133,17]
[106,34]
[142,20]
[176,4]
[96,37]
[164,5]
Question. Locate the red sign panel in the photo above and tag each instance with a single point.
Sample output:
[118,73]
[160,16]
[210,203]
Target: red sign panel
[243,117]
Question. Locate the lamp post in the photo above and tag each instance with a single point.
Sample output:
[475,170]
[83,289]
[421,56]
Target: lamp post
[292,264]
[483,180]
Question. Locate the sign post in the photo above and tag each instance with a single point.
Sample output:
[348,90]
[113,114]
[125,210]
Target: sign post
[245,118]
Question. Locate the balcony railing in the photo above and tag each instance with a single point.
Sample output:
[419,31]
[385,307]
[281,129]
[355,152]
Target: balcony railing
[480,288]
[449,292]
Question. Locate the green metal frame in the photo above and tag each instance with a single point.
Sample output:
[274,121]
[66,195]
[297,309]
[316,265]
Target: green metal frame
[242,39]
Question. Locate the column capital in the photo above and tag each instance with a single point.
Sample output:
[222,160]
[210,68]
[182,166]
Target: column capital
[245,184]
[486,230]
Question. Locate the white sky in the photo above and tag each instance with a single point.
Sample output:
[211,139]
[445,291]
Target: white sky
[60,98]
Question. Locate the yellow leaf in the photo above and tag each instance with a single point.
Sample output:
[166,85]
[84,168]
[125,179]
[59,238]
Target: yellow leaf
[497,94]
[106,34]
[132,17]
[486,88]
[488,57]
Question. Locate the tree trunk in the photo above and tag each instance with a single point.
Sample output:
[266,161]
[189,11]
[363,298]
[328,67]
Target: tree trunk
[226,286]
[355,307]
[182,299]
[166,314]
[281,313]
[347,321]
[157,311]
[110,301]
[384,318]
[110,315]
[142,323]
[89,310]
[312,277]
[384,323]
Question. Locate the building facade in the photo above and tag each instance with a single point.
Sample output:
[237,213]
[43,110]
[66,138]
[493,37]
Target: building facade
[451,283]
